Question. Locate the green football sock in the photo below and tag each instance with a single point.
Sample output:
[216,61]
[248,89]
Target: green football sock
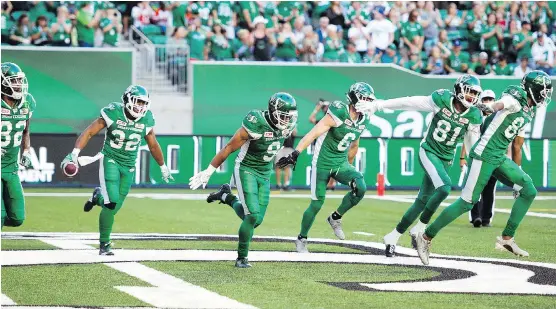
[309,217]
[106,221]
[100,200]
[410,215]
[245,235]
[439,195]
[232,201]
[449,214]
[519,210]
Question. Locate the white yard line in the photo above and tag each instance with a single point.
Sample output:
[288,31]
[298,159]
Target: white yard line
[6,301]
[364,233]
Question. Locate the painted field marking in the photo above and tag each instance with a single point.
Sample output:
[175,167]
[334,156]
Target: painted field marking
[364,233]
[6,301]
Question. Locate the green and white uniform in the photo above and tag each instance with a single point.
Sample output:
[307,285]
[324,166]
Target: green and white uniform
[117,167]
[446,130]
[489,159]
[14,121]
[255,160]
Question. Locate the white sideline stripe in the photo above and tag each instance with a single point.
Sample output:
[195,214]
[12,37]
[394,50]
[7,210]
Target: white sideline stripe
[364,233]
[60,307]
[66,244]
[6,301]
[169,291]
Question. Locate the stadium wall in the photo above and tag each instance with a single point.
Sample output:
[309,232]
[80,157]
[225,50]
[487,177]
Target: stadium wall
[71,85]
[223,93]
[186,155]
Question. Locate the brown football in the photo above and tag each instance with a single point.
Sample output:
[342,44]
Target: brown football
[70,169]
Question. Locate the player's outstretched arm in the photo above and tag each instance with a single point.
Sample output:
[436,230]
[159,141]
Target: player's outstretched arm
[414,103]
[93,129]
[201,179]
[322,127]
[26,145]
[156,152]
[353,151]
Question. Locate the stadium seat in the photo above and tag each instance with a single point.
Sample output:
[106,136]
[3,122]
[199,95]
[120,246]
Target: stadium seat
[158,38]
[149,30]
[17,14]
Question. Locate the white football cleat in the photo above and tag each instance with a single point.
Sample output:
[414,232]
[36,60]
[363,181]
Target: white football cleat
[415,230]
[301,245]
[423,248]
[509,245]
[337,227]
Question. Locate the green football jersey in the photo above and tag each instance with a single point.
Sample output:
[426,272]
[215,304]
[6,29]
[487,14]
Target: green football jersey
[331,149]
[448,127]
[257,154]
[14,121]
[502,127]
[124,136]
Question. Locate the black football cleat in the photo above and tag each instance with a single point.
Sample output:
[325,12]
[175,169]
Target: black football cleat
[217,196]
[477,222]
[390,251]
[105,248]
[242,263]
[89,204]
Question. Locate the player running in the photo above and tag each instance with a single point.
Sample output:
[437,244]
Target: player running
[510,114]
[260,137]
[337,137]
[127,124]
[17,109]
[455,117]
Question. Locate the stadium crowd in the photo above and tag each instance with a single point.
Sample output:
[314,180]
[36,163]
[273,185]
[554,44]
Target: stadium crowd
[482,38]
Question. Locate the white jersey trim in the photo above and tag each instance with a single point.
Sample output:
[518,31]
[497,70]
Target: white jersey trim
[107,119]
[492,127]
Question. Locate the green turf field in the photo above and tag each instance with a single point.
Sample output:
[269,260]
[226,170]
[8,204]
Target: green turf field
[280,278]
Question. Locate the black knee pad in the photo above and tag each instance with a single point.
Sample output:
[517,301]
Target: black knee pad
[358,187]
[111,205]
[444,190]
[13,222]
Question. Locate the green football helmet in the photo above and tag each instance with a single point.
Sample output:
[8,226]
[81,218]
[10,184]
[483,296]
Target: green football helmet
[360,92]
[136,101]
[468,90]
[14,82]
[538,86]
[282,110]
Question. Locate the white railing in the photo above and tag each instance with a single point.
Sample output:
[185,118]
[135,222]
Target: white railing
[160,67]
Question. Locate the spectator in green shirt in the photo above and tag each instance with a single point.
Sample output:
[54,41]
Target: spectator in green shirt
[458,61]
[332,45]
[249,10]
[523,41]
[61,28]
[196,39]
[355,11]
[178,13]
[242,46]
[371,56]
[41,34]
[21,32]
[412,33]
[286,48]
[492,34]
[390,55]
[415,63]
[223,11]
[482,67]
[86,23]
[111,27]
[6,20]
[475,22]
[220,46]
[502,67]
[351,55]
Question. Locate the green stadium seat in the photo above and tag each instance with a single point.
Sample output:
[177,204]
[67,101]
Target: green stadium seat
[158,39]
[149,30]
[17,14]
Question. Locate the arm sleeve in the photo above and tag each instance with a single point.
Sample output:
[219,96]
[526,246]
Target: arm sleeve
[510,104]
[472,136]
[415,103]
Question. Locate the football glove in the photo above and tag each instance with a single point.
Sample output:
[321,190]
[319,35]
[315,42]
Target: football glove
[367,107]
[26,159]
[485,108]
[70,157]
[166,175]
[201,178]
[290,159]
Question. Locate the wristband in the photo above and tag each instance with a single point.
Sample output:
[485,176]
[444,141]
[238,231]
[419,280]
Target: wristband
[211,169]
[76,152]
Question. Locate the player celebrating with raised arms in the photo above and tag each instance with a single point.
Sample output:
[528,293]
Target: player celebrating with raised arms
[260,137]
[127,124]
[337,143]
[454,117]
[17,109]
[515,109]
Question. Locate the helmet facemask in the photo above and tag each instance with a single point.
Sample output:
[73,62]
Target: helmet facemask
[543,97]
[468,95]
[284,120]
[137,106]
[15,86]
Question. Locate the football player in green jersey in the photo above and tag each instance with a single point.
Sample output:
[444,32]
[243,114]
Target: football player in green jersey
[337,136]
[127,124]
[260,137]
[17,109]
[515,109]
[455,117]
